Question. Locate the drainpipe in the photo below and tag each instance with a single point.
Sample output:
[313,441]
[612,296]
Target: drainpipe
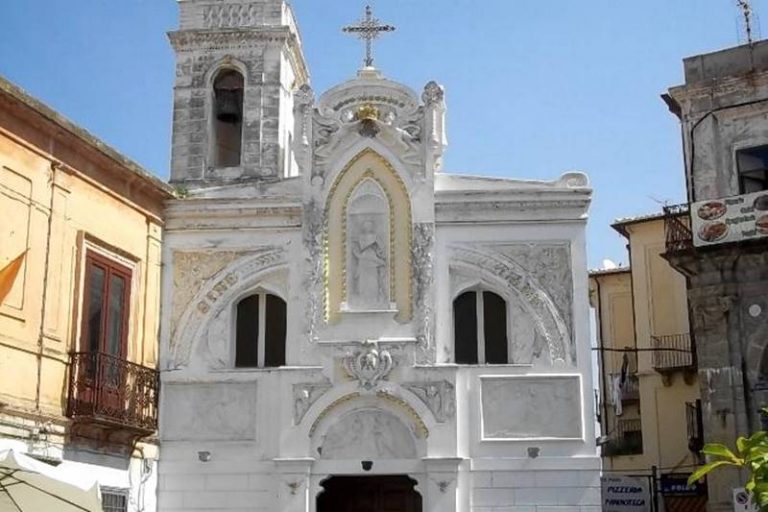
[601,353]
[43,308]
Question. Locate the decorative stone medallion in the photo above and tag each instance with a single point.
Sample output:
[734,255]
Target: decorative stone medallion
[369,364]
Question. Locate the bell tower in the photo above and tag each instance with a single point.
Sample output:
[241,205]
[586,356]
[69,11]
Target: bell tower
[238,64]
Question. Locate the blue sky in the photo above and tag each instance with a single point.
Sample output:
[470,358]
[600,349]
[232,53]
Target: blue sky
[533,88]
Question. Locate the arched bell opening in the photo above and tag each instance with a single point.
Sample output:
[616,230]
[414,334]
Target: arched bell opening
[228,98]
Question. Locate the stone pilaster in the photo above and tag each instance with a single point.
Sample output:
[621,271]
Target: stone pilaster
[440,486]
[293,484]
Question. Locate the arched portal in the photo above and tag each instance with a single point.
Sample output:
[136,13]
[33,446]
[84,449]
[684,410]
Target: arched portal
[376,493]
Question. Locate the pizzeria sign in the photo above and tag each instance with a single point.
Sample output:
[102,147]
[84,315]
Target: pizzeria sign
[731,219]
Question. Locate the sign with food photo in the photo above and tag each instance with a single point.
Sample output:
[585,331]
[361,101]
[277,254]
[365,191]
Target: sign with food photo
[731,219]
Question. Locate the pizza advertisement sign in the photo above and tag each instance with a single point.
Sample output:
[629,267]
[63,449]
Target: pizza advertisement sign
[731,219]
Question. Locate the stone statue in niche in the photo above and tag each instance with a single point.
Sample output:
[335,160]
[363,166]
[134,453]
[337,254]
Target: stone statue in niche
[368,248]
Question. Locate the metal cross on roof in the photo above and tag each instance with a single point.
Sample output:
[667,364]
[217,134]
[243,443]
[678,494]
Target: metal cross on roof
[368,29]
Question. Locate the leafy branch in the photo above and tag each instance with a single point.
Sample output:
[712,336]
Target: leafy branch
[751,454]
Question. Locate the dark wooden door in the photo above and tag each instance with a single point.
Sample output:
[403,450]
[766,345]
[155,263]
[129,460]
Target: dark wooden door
[369,494]
[105,333]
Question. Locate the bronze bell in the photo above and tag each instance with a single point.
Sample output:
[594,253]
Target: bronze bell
[229,104]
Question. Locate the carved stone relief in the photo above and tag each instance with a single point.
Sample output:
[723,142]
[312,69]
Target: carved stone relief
[531,407]
[372,175]
[215,411]
[368,235]
[369,364]
[439,396]
[232,15]
[190,270]
[550,265]
[496,268]
[304,395]
[217,293]
[304,100]
[360,109]
[422,260]
[313,281]
[368,434]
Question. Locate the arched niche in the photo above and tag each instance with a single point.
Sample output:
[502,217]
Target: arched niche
[368,433]
[369,258]
[369,186]
[346,427]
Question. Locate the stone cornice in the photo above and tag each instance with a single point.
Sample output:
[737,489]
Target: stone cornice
[244,37]
[222,214]
[506,205]
[726,92]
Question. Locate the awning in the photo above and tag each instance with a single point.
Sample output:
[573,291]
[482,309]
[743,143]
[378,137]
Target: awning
[28,485]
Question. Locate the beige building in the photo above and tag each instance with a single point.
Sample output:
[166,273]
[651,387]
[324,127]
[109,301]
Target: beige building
[79,317]
[649,393]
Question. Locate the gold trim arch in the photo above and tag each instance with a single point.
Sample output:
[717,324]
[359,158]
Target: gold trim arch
[368,164]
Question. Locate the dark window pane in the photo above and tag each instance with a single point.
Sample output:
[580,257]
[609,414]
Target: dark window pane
[247,334]
[495,325]
[465,328]
[752,166]
[116,316]
[274,354]
[95,311]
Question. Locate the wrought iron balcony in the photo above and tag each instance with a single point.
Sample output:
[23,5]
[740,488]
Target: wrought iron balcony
[677,228]
[673,352]
[628,439]
[113,392]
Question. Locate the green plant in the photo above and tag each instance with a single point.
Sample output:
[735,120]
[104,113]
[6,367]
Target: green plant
[751,454]
[180,191]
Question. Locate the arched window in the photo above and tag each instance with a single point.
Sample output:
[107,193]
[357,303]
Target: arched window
[480,328]
[260,334]
[228,118]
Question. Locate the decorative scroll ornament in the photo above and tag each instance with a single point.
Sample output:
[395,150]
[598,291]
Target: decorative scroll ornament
[369,364]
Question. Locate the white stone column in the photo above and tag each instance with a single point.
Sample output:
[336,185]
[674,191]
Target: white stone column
[439,490]
[293,484]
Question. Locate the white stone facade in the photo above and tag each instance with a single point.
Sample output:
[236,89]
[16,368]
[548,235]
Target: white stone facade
[370,371]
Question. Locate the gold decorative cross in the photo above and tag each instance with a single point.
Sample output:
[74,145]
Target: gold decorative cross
[368,29]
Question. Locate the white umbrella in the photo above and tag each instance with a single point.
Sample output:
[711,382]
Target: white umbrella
[28,485]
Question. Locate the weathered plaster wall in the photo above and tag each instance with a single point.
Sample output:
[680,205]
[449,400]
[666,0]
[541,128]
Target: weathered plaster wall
[61,195]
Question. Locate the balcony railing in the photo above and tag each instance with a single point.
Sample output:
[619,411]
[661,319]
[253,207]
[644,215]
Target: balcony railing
[628,439]
[677,228]
[112,391]
[672,352]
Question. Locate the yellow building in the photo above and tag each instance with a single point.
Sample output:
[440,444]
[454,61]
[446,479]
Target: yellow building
[79,312]
[649,393]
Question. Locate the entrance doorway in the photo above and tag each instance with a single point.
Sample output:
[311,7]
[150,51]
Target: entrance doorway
[393,493]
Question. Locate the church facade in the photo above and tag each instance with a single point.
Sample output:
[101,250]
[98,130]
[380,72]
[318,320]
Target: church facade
[345,325]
